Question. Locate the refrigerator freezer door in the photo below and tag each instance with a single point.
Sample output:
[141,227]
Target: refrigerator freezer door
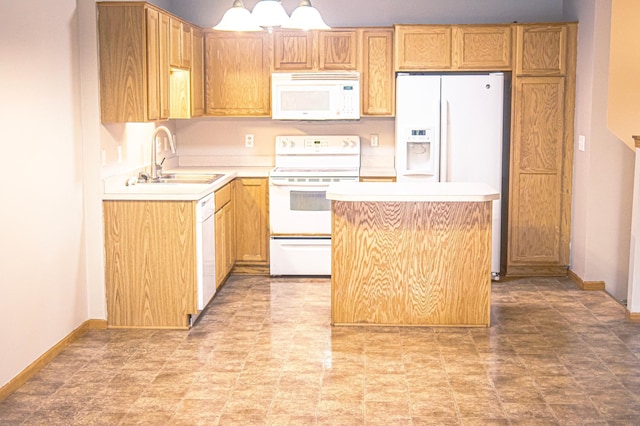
[472,137]
[417,127]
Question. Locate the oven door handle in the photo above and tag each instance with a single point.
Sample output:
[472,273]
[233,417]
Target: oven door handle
[300,184]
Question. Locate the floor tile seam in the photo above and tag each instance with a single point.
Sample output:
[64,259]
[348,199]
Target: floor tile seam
[450,387]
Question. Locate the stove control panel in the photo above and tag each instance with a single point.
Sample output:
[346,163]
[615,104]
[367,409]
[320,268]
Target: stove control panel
[317,145]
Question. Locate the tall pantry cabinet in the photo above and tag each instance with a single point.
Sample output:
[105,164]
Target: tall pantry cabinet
[541,160]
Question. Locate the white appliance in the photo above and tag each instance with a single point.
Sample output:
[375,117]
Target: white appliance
[205,251]
[299,212]
[450,128]
[315,96]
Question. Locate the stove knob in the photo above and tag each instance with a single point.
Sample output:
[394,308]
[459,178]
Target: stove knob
[292,144]
[284,143]
[345,143]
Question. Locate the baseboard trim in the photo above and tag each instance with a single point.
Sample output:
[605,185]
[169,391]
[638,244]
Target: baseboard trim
[585,285]
[44,359]
[632,316]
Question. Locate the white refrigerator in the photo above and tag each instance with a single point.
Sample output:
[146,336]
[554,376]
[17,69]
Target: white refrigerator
[450,128]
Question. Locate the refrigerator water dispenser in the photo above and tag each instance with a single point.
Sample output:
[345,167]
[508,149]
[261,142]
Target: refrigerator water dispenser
[420,154]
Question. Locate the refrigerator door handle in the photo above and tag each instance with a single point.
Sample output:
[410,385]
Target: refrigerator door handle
[444,142]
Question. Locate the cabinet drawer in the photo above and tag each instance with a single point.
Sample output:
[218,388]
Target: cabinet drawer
[222,196]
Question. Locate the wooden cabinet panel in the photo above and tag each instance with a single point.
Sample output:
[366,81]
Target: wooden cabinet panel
[224,233]
[150,263]
[338,50]
[197,73]
[180,49]
[153,64]
[252,221]
[537,205]
[163,57]
[422,47]
[293,50]
[237,74]
[482,47]
[122,56]
[541,49]
[377,76]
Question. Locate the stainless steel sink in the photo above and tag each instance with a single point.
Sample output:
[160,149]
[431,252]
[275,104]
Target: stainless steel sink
[186,178]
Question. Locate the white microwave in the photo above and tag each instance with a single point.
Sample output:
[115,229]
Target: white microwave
[315,96]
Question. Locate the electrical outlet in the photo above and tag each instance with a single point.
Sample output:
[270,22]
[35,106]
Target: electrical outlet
[374,140]
[248,140]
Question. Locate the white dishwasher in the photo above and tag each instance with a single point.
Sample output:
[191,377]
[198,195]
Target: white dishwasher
[205,250]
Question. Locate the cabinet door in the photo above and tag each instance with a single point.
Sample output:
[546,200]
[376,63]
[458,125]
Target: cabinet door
[541,49]
[252,220]
[150,263]
[422,47]
[197,73]
[237,74]
[122,57]
[537,210]
[220,231]
[482,47]
[153,64]
[165,69]
[338,50]
[378,79]
[293,50]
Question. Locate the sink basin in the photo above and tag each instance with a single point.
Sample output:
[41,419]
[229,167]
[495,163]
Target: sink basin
[186,178]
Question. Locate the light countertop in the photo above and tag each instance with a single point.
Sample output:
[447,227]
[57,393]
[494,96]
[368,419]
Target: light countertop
[411,191]
[115,187]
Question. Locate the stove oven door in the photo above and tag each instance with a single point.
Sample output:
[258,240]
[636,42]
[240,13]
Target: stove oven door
[299,208]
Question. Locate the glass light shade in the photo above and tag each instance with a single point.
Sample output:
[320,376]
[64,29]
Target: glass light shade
[306,17]
[269,13]
[237,19]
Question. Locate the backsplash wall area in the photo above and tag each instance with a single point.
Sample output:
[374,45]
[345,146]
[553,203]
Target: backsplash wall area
[216,141]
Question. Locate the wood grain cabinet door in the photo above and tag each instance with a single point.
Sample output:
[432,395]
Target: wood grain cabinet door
[197,73]
[377,76]
[537,213]
[541,49]
[252,220]
[293,50]
[482,47]
[338,50]
[422,47]
[237,74]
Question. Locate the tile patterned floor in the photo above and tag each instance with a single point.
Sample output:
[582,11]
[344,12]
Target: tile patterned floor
[265,354]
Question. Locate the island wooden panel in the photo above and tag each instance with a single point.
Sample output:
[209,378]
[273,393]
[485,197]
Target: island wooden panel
[150,263]
[411,263]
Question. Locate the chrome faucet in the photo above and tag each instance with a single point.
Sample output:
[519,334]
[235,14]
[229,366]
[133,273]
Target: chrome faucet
[156,169]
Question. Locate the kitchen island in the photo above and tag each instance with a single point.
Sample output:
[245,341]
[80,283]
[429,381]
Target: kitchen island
[411,253]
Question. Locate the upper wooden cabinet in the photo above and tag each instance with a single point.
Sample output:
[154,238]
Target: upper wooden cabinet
[377,76]
[422,47]
[237,73]
[541,49]
[134,66]
[197,73]
[180,37]
[331,50]
[338,50]
[453,47]
[293,50]
[482,47]
[145,57]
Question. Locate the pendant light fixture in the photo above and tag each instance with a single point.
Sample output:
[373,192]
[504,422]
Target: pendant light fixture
[237,19]
[269,13]
[306,17]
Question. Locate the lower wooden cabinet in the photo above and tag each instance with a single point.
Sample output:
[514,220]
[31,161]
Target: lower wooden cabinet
[224,233]
[150,263]
[252,225]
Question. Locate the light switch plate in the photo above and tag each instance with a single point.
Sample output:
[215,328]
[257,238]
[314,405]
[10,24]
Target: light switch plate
[581,143]
[374,140]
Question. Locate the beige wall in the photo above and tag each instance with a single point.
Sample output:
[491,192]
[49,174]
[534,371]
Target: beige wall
[43,270]
[603,173]
[624,70]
